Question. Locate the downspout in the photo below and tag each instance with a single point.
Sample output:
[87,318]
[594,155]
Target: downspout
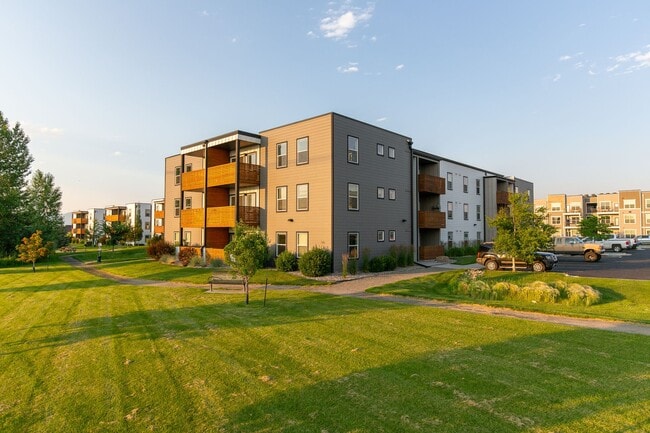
[237,180]
[205,199]
[182,204]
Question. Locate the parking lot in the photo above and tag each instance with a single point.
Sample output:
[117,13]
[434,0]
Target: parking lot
[633,264]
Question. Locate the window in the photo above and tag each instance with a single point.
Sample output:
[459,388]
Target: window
[465,184]
[478,212]
[188,202]
[281,199]
[478,186]
[391,152]
[177,175]
[450,239]
[392,194]
[450,210]
[147,213]
[450,182]
[555,207]
[629,204]
[479,236]
[380,192]
[465,238]
[605,219]
[188,167]
[177,207]
[302,151]
[353,150]
[380,149]
[465,211]
[177,238]
[353,245]
[353,196]
[630,219]
[391,236]
[647,203]
[282,155]
[187,238]
[147,226]
[629,233]
[302,196]
[605,206]
[248,158]
[280,242]
[302,243]
[380,236]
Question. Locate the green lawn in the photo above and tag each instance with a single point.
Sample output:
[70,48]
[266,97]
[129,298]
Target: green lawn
[82,354]
[627,300]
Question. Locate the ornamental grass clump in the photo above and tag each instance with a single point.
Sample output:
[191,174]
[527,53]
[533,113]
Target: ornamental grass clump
[578,294]
[538,291]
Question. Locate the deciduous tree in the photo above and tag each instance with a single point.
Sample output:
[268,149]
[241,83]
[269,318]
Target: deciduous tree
[593,227]
[521,230]
[44,203]
[116,232]
[31,249]
[246,253]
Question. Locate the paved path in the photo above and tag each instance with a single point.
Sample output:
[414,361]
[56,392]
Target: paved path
[357,286]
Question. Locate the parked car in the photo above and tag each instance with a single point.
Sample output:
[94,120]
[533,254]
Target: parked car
[643,240]
[492,261]
[616,244]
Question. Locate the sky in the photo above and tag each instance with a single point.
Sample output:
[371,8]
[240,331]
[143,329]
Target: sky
[555,92]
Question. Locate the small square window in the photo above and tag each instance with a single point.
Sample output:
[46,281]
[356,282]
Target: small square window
[391,236]
[188,202]
[391,152]
[380,236]
[380,149]
[380,192]
[392,195]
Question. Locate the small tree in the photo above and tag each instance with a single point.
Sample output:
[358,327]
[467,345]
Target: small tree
[593,227]
[32,249]
[521,230]
[116,232]
[246,253]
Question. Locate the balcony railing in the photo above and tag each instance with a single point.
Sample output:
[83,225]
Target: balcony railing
[431,219]
[159,229]
[222,216]
[432,184]
[503,197]
[430,252]
[115,218]
[79,220]
[159,214]
[222,175]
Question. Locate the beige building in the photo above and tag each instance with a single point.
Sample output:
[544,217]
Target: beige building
[627,212]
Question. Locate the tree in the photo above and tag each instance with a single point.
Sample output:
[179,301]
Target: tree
[135,232]
[116,232]
[246,253]
[15,163]
[593,227]
[521,230]
[44,203]
[31,249]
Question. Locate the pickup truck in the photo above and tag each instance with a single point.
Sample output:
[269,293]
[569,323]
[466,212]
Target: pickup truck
[574,246]
[616,244]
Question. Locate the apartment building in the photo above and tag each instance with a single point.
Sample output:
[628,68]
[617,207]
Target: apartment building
[139,214]
[626,212]
[79,224]
[158,206]
[328,181]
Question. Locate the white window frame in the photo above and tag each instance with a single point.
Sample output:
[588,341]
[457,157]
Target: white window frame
[300,247]
[353,149]
[353,249]
[302,194]
[278,245]
[392,194]
[381,193]
[302,156]
[381,235]
[380,149]
[282,159]
[279,199]
[391,152]
[353,194]
[392,235]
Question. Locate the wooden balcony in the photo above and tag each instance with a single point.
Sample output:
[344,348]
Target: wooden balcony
[79,220]
[503,197]
[431,219]
[159,230]
[431,184]
[221,175]
[223,216]
[159,214]
[430,252]
[79,231]
[115,218]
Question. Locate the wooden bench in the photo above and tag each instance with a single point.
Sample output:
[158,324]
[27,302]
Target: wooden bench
[224,279]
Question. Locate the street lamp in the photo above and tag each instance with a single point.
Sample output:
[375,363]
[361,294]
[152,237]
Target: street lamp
[99,252]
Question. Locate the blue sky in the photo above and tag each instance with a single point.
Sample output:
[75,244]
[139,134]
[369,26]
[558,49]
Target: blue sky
[555,92]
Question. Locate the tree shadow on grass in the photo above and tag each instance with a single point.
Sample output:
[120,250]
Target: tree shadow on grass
[564,381]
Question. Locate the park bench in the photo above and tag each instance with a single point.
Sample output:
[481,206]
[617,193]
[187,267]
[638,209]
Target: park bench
[224,279]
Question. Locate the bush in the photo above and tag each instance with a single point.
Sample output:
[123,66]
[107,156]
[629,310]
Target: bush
[167,259]
[403,254]
[286,262]
[383,263]
[316,262]
[577,294]
[216,263]
[158,248]
[365,260]
[185,255]
[196,262]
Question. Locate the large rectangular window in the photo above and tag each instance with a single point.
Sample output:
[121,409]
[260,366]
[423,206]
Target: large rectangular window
[177,175]
[302,196]
[450,182]
[466,211]
[282,155]
[450,210]
[353,245]
[353,196]
[630,219]
[302,150]
[302,243]
[280,243]
[478,212]
[478,186]
[629,204]
[353,150]
[465,184]
[177,207]
[281,199]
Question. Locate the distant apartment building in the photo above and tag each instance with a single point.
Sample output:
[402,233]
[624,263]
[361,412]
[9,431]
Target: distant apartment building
[328,181]
[626,212]
[79,224]
[89,225]
[139,214]
[158,206]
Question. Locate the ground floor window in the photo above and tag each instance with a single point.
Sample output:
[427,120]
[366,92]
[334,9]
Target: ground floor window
[187,238]
[280,243]
[353,245]
[302,243]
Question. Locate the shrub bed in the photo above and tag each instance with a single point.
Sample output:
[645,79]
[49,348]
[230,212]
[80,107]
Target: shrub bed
[315,262]
[286,261]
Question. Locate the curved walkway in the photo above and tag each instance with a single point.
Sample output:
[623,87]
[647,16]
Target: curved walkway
[357,286]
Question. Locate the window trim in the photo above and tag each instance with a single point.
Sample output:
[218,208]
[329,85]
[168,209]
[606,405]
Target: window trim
[188,203]
[381,235]
[356,150]
[450,181]
[380,149]
[277,198]
[277,243]
[465,184]
[298,245]
[357,245]
[466,211]
[298,152]
[298,208]
[358,197]
[391,152]
[392,235]
[177,207]
[392,194]
[450,210]
[381,192]
[177,175]
[285,154]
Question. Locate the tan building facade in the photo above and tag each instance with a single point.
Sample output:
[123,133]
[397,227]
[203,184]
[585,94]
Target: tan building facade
[626,212]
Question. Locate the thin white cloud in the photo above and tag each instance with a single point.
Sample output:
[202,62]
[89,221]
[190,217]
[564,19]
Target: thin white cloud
[631,62]
[340,22]
[117,153]
[565,58]
[205,13]
[557,78]
[349,68]
[381,119]
[399,67]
